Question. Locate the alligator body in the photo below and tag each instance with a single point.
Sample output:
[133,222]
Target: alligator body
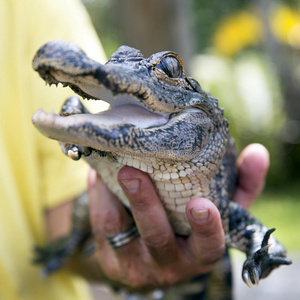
[162,122]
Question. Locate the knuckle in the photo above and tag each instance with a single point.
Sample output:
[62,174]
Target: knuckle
[152,280]
[212,256]
[109,216]
[136,281]
[169,278]
[111,222]
[111,271]
[126,274]
[156,240]
[140,204]
[111,268]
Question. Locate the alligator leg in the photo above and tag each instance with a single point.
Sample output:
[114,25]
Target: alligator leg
[245,233]
[54,255]
[261,263]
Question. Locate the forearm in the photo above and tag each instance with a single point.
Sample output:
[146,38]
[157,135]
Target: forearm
[58,220]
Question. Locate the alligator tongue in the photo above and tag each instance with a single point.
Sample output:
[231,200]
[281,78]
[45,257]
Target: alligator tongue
[57,127]
[130,114]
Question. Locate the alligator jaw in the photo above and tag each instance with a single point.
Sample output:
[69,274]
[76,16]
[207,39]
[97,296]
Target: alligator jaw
[91,87]
[127,78]
[123,114]
[65,63]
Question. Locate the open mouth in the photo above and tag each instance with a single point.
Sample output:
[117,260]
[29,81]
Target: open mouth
[76,126]
[123,114]
[65,63]
[124,108]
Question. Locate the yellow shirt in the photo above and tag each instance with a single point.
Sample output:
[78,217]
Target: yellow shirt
[34,174]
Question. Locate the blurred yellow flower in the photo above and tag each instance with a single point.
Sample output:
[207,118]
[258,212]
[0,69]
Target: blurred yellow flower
[285,23]
[237,32]
[294,36]
[244,29]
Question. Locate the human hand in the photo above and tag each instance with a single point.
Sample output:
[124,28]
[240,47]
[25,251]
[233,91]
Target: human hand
[158,257]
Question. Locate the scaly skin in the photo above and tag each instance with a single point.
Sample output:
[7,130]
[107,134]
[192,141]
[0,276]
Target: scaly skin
[161,122]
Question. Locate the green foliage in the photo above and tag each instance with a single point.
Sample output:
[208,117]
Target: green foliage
[280,209]
[207,15]
[249,92]
[104,21]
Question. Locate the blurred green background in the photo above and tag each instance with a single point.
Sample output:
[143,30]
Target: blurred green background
[245,53]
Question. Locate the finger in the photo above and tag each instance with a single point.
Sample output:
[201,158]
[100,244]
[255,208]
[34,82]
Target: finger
[149,215]
[108,215]
[252,165]
[206,241]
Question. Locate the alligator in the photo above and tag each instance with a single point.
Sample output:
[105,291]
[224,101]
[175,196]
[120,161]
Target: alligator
[159,121]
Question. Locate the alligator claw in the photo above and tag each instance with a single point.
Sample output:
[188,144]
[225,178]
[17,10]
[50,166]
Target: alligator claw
[251,277]
[73,152]
[266,237]
[51,256]
[261,263]
[54,255]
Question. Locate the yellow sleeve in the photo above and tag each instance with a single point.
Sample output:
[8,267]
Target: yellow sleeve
[62,178]
[34,174]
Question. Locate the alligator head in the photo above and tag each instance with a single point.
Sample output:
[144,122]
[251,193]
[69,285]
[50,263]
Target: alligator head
[150,98]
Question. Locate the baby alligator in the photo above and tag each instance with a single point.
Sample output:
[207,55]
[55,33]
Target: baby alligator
[162,122]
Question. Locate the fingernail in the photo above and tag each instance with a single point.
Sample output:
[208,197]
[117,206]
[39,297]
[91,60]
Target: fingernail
[200,215]
[131,185]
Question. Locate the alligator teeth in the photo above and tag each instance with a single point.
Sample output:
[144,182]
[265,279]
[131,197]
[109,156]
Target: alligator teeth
[70,112]
[65,114]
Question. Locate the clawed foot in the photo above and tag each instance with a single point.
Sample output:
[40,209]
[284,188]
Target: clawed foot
[262,263]
[52,256]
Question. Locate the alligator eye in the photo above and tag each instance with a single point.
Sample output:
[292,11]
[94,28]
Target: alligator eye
[171,66]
